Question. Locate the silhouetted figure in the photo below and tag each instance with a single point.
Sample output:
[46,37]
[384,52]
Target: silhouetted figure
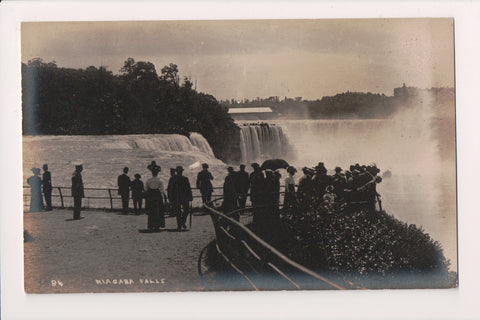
[305,186]
[257,197]
[229,194]
[77,191]
[47,187]
[242,184]
[170,194]
[352,194]
[137,193]
[339,182]
[257,185]
[272,189]
[36,199]
[369,187]
[290,199]
[154,199]
[320,181]
[124,184]
[182,195]
[204,183]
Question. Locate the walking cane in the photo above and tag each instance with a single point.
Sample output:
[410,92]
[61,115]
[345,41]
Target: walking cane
[191,214]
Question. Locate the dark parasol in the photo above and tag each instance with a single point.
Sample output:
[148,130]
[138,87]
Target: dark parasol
[274,164]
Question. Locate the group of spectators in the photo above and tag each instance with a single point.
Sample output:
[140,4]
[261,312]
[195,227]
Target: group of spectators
[176,197]
[355,188]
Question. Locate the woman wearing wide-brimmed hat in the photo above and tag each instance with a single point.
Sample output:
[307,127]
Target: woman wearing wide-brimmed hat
[36,199]
[154,192]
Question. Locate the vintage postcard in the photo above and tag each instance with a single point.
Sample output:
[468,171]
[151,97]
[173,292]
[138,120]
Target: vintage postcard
[238,155]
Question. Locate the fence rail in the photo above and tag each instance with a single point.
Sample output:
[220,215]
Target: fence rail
[99,198]
[260,264]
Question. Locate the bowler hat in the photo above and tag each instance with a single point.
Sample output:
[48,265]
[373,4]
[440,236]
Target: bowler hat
[204,165]
[179,169]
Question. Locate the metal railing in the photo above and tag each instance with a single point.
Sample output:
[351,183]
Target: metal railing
[258,262]
[99,198]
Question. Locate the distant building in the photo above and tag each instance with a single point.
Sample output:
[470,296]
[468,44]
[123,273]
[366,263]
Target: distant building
[252,113]
[404,91]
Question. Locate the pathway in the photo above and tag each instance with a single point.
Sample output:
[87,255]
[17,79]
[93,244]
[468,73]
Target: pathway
[106,252]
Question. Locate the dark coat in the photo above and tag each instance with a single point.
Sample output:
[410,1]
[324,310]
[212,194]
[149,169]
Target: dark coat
[257,186]
[182,192]
[242,182]
[124,184]
[137,189]
[77,185]
[170,190]
[47,181]
[204,182]
[229,187]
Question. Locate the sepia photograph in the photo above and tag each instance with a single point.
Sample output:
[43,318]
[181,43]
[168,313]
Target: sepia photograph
[239,155]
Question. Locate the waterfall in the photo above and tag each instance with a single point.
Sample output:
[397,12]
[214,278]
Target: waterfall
[261,142]
[159,142]
[201,143]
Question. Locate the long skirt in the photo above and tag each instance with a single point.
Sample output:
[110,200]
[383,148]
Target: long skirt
[154,208]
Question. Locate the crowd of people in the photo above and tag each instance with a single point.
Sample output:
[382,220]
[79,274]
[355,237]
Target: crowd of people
[355,188]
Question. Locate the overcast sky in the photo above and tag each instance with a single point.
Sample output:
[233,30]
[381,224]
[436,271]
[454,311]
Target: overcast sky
[248,59]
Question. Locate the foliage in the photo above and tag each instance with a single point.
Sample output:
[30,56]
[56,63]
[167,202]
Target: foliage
[137,101]
[354,242]
[350,105]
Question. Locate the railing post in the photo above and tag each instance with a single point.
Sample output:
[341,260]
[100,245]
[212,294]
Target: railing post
[61,196]
[111,200]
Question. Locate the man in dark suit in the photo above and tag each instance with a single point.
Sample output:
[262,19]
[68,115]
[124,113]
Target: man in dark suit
[242,184]
[47,187]
[182,195]
[77,191]
[204,183]
[124,184]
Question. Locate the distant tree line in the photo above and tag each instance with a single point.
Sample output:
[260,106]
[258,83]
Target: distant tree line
[94,101]
[352,104]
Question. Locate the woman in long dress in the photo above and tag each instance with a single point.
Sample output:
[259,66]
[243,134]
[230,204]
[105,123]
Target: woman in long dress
[35,182]
[154,192]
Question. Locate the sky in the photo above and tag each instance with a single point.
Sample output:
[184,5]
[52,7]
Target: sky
[261,58]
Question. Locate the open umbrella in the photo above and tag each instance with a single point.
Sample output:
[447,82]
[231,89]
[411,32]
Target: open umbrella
[274,164]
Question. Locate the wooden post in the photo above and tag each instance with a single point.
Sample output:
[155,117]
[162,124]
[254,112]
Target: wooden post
[61,196]
[111,200]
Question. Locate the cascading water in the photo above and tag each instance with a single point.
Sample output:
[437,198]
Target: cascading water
[164,142]
[261,142]
[423,176]
[105,156]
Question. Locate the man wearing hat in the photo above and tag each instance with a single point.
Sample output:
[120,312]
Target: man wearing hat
[339,182]
[204,183]
[47,187]
[124,184]
[257,185]
[242,184]
[320,181]
[182,195]
[77,190]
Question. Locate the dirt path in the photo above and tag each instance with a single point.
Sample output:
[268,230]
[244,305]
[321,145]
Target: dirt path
[106,252]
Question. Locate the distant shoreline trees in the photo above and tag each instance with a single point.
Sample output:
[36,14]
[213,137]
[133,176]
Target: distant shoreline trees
[94,101]
[352,105]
